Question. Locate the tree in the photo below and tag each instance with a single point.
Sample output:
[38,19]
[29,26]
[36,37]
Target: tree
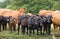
[56,6]
[32,6]
[4,4]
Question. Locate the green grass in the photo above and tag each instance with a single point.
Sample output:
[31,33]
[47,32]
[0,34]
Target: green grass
[7,35]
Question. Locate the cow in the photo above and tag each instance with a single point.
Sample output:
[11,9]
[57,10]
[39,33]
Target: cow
[12,24]
[22,20]
[47,24]
[5,20]
[38,23]
[30,23]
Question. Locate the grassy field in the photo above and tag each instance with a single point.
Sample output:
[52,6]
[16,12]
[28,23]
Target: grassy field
[7,35]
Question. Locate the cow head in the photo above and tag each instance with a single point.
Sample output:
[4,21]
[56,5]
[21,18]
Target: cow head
[11,19]
[48,18]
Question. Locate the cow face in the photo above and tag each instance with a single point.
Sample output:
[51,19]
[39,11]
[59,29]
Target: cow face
[48,18]
[36,19]
[11,19]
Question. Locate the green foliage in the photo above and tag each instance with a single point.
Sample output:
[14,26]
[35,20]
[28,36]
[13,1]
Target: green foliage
[32,6]
[56,6]
[4,4]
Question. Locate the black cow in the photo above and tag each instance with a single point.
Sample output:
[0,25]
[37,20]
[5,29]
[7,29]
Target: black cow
[5,20]
[38,23]
[47,23]
[22,20]
[30,23]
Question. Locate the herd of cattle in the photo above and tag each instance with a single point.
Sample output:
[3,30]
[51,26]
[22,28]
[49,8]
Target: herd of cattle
[29,22]
[32,23]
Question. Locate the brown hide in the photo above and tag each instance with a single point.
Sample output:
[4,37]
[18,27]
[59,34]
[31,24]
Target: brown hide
[45,12]
[56,18]
[13,13]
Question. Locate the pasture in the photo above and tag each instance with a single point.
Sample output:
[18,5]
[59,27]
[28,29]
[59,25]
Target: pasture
[7,35]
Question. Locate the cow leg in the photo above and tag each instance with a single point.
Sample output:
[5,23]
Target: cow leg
[9,26]
[14,28]
[44,29]
[41,30]
[37,30]
[10,29]
[5,26]
[55,28]
[30,31]
[27,30]
[48,30]
[18,28]
[33,29]
[0,27]
[23,29]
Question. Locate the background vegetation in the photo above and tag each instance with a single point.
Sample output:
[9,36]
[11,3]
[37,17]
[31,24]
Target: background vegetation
[32,6]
